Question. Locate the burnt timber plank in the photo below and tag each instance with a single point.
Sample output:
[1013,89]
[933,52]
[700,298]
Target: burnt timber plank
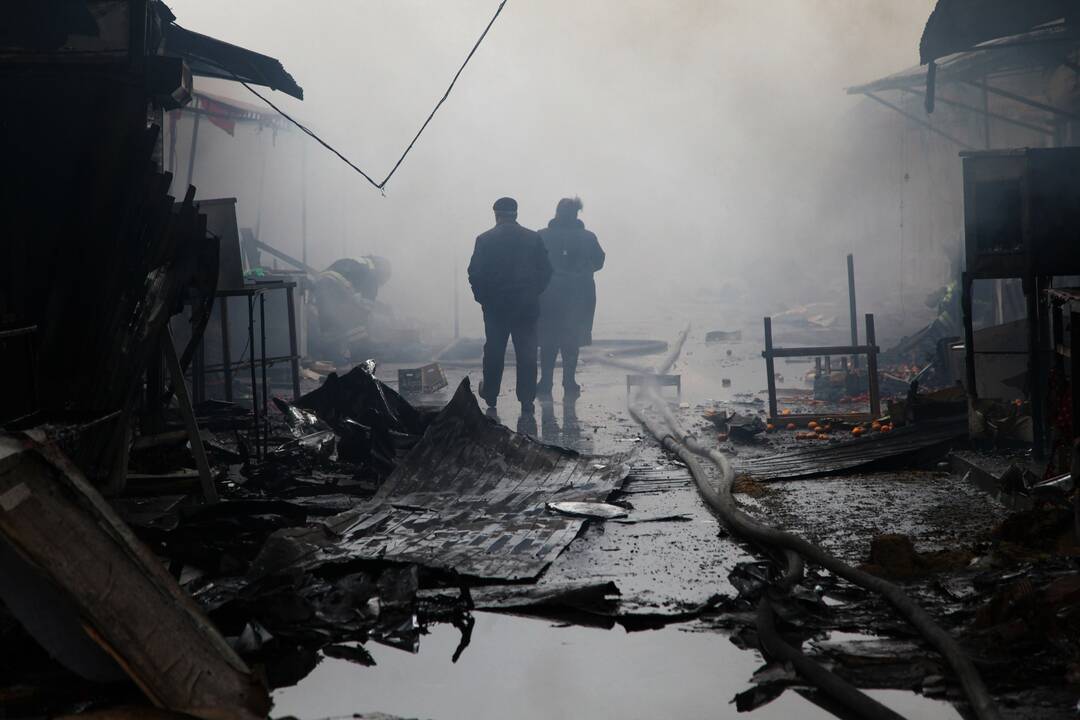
[128,603]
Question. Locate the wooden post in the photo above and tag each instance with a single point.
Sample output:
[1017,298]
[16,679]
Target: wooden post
[1035,362]
[294,363]
[851,304]
[226,349]
[871,367]
[183,400]
[254,386]
[191,152]
[769,368]
[265,398]
[969,339]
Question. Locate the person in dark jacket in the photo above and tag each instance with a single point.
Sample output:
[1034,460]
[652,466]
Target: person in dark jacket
[508,271]
[568,304]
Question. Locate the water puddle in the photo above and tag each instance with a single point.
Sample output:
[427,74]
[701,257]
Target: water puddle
[529,669]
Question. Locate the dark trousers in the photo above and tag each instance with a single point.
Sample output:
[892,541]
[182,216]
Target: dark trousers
[548,354]
[498,329]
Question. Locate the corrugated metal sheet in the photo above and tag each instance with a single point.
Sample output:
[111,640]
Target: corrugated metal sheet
[471,497]
[820,459]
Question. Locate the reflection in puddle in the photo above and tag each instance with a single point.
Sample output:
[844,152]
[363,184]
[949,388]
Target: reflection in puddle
[525,669]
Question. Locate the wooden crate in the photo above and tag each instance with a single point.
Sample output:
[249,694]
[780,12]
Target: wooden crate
[422,380]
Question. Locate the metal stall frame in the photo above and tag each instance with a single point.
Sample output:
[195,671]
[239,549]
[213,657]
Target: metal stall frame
[870,350]
[258,291]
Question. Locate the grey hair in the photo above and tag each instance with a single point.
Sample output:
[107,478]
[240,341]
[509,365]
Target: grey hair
[569,207]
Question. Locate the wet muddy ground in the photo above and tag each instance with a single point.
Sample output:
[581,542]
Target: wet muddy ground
[936,509]
[534,668]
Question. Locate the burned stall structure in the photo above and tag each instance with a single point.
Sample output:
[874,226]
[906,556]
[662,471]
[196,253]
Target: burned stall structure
[102,248]
[181,525]
[984,398]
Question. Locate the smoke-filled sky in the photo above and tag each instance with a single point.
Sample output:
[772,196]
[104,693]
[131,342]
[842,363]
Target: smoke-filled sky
[701,135]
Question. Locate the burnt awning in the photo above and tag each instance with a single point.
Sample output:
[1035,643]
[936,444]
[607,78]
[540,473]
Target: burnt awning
[958,25]
[1024,52]
[214,58]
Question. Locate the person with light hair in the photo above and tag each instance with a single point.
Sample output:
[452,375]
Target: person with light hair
[568,305]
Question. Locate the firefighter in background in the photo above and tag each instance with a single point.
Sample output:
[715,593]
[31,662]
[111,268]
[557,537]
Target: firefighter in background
[346,306]
[568,305]
[366,275]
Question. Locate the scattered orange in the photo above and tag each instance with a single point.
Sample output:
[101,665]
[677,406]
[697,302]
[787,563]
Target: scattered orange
[791,426]
[813,425]
[857,431]
[770,427]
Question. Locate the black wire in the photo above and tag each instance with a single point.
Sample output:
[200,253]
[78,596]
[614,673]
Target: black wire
[379,185]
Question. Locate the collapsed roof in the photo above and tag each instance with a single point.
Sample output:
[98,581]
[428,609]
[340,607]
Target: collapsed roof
[958,25]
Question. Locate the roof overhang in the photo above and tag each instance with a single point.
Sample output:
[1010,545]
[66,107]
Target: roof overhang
[1041,48]
[958,25]
[209,57]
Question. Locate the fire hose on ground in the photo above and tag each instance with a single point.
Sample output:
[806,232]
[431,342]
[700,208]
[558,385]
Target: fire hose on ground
[795,550]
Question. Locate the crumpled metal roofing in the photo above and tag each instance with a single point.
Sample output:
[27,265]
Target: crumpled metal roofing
[469,498]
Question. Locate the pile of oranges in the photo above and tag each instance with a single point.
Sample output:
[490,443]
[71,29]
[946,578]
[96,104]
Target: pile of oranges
[876,426]
[817,431]
[820,430]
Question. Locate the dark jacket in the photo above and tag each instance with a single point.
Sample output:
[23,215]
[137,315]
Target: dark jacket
[508,271]
[568,305]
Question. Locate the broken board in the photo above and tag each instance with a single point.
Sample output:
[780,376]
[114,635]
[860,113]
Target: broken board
[118,591]
[470,498]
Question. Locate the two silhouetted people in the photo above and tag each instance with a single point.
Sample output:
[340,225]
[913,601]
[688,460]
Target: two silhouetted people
[538,289]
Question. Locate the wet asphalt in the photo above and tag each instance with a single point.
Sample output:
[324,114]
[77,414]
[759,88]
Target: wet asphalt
[529,668]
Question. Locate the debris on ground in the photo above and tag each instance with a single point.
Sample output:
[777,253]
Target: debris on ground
[894,556]
[470,498]
[595,510]
[723,336]
[83,576]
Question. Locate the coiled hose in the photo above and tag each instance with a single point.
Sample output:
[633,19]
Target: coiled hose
[795,549]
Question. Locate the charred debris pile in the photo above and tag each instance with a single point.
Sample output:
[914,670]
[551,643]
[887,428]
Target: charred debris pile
[365,519]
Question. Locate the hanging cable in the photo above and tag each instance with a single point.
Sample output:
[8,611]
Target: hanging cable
[378,185]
